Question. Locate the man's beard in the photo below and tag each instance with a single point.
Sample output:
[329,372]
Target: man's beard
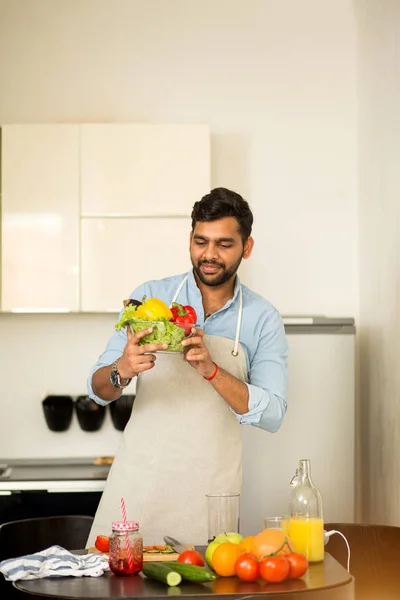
[222,276]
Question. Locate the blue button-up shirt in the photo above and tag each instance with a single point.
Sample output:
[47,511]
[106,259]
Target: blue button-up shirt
[262,336]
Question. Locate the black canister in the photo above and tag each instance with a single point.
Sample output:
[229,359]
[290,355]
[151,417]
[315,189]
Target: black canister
[58,412]
[90,414]
[121,410]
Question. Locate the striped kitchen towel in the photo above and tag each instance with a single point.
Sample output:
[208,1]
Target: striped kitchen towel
[53,562]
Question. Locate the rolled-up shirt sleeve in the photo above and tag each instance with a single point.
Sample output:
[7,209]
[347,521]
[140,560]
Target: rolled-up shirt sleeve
[114,350]
[268,377]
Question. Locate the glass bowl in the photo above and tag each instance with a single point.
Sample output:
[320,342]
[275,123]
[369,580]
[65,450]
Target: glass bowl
[164,332]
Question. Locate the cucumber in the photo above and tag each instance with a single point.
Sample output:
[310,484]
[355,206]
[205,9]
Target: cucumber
[168,550]
[162,573]
[191,572]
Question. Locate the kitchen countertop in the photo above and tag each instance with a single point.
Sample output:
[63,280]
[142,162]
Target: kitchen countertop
[52,474]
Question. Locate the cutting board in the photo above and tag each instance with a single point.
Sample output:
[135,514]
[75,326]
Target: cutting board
[148,557]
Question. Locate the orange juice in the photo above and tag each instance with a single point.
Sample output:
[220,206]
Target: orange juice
[307,535]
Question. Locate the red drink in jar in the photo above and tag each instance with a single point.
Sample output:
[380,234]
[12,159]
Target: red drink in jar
[126,549]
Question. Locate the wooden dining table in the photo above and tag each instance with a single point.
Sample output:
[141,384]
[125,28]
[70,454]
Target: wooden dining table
[326,580]
[375,558]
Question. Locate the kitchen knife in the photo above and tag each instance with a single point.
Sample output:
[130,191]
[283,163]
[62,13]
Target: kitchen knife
[178,546]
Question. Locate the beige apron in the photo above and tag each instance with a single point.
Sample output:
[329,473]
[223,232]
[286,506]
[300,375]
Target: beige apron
[181,443]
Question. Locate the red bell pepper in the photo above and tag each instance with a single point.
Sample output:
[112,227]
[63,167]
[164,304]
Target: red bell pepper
[184,315]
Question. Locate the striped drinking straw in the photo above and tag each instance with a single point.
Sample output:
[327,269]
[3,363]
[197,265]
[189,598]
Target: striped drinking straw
[127,545]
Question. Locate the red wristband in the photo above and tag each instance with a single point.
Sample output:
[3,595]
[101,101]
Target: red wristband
[214,374]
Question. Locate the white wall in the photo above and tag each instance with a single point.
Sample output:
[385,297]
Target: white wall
[42,355]
[379,214]
[276,82]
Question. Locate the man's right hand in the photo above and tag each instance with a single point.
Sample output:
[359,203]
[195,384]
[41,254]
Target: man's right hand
[136,359]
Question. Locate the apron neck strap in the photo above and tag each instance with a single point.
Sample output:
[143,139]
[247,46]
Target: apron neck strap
[178,291]
[235,351]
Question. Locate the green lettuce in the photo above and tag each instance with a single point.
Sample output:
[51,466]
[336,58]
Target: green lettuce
[164,332]
[127,316]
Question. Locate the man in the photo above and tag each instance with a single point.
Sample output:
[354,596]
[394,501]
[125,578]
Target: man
[183,439]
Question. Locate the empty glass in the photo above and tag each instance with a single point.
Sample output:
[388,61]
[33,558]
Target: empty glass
[277,523]
[223,514]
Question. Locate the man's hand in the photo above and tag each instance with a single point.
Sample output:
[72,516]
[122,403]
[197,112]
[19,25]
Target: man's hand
[231,389]
[136,359]
[197,354]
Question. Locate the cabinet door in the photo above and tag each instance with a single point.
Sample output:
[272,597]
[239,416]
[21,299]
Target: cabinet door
[120,254]
[143,170]
[40,217]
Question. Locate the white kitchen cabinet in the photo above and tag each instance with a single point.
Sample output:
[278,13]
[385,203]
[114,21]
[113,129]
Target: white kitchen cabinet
[40,217]
[119,254]
[143,169]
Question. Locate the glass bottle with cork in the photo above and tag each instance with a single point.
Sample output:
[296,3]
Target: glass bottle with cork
[306,524]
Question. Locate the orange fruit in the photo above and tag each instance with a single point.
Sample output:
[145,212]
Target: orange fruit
[271,541]
[224,558]
[247,543]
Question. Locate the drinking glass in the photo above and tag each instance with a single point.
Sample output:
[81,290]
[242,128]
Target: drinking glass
[277,523]
[223,514]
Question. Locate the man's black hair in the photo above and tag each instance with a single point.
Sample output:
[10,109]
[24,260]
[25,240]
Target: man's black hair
[220,203]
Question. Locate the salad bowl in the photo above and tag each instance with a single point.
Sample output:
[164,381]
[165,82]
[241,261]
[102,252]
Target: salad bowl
[164,332]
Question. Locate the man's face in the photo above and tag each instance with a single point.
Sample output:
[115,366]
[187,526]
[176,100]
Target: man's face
[217,249]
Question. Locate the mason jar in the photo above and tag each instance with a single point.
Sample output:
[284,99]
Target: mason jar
[126,548]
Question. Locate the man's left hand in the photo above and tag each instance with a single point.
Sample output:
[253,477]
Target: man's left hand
[197,354]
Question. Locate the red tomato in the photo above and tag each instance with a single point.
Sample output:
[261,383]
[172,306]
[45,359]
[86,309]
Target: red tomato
[298,565]
[275,569]
[102,543]
[247,568]
[191,557]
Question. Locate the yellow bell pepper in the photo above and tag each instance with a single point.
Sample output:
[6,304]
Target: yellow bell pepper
[152,310]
